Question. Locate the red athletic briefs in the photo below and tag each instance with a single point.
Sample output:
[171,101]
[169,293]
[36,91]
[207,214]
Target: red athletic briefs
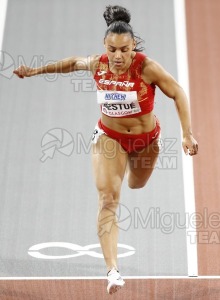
[132,142]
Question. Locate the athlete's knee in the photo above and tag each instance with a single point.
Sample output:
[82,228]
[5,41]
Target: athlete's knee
[136,184]
[108,199]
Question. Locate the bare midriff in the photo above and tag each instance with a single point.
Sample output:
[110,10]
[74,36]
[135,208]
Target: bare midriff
[138,125]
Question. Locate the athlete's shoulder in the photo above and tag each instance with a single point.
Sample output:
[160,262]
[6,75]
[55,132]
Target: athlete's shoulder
[94,58]
[94,62]
[153,70]
[151,65]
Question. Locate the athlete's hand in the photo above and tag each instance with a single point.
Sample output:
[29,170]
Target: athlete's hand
[190,145]
[23,71]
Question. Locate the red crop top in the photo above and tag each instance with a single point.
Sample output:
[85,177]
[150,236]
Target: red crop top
[131,80]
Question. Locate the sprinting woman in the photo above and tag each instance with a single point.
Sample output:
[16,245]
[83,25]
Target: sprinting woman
[128,131]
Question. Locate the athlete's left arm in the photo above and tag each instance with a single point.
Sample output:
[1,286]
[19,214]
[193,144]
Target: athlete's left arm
[156,74]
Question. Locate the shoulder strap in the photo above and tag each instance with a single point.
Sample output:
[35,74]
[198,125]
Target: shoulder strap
[104,58]
[136,66]
[138,59]
[103,63]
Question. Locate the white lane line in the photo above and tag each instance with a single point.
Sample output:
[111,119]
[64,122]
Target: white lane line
[3,10]
[101,278]
[188,178]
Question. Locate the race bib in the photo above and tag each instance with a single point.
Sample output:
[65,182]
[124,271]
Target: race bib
[118,103]
[116,97]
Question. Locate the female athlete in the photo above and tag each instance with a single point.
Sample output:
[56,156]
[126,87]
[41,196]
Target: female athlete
[128,131]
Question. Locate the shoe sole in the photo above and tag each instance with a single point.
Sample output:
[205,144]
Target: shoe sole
[114,288]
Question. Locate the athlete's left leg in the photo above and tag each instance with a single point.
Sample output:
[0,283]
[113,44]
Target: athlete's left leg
[141,165]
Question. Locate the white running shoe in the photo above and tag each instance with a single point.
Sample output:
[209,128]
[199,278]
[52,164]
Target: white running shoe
[115,281]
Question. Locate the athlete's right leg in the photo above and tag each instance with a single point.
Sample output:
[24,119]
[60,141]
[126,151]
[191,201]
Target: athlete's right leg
[109,163]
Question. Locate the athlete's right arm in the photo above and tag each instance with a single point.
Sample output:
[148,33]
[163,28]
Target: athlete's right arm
[66,65]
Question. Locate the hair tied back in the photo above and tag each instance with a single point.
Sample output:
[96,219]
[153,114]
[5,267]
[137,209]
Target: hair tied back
[116,13]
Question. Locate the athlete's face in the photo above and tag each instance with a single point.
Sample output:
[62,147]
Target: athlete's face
[119,49]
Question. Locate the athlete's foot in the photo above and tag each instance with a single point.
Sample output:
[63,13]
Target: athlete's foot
[115,281]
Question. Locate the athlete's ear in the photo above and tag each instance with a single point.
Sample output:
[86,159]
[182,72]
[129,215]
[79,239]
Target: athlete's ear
[134,44]
[104,43]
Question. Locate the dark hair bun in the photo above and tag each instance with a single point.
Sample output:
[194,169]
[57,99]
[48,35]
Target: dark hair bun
[116,13]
